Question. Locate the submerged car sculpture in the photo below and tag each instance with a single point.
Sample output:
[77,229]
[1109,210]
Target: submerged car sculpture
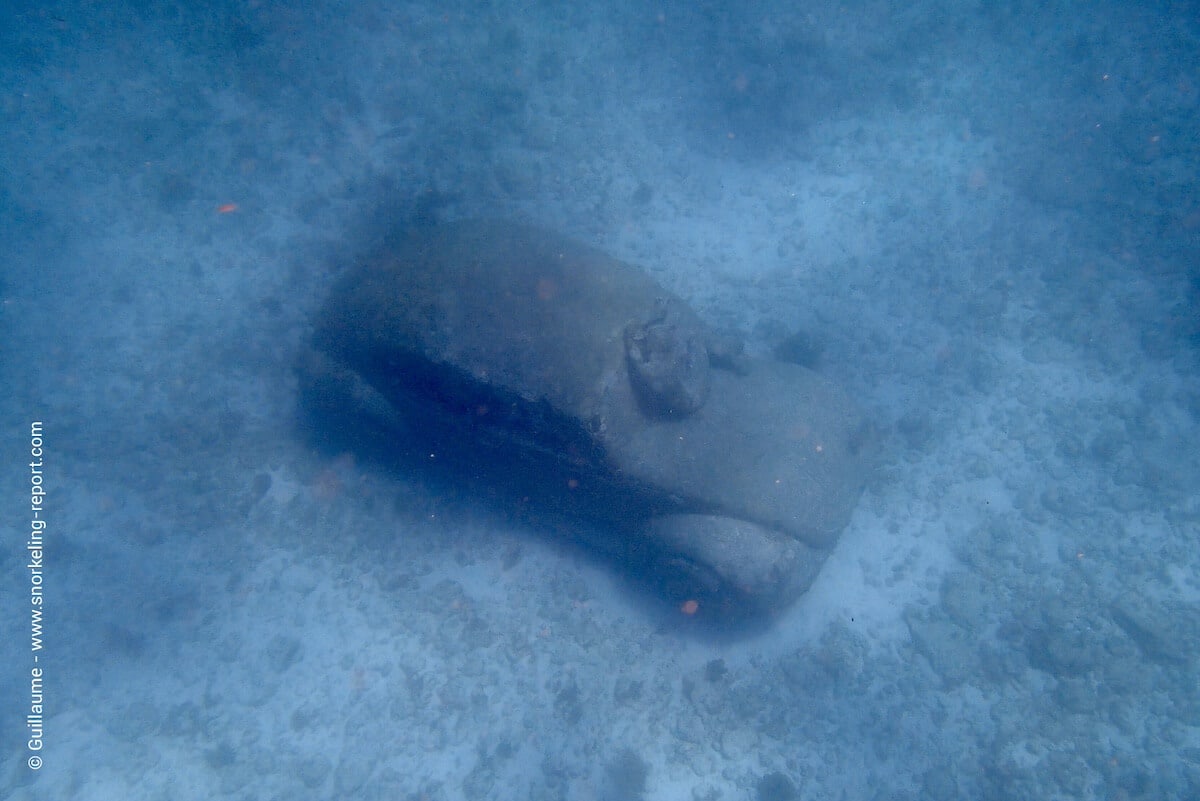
[573,383]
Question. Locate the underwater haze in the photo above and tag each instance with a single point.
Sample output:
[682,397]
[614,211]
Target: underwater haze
[980,219]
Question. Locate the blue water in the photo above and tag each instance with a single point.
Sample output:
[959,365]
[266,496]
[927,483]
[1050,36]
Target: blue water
[984,218]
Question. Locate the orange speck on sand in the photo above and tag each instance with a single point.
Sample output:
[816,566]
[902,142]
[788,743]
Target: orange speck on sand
[690,606]
[326,485]
[227,208]
[799,431]
[547,289]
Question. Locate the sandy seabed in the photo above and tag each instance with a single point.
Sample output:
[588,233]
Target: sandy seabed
[995,263]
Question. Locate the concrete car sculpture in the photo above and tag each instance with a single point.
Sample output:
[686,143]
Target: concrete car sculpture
[569,381]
